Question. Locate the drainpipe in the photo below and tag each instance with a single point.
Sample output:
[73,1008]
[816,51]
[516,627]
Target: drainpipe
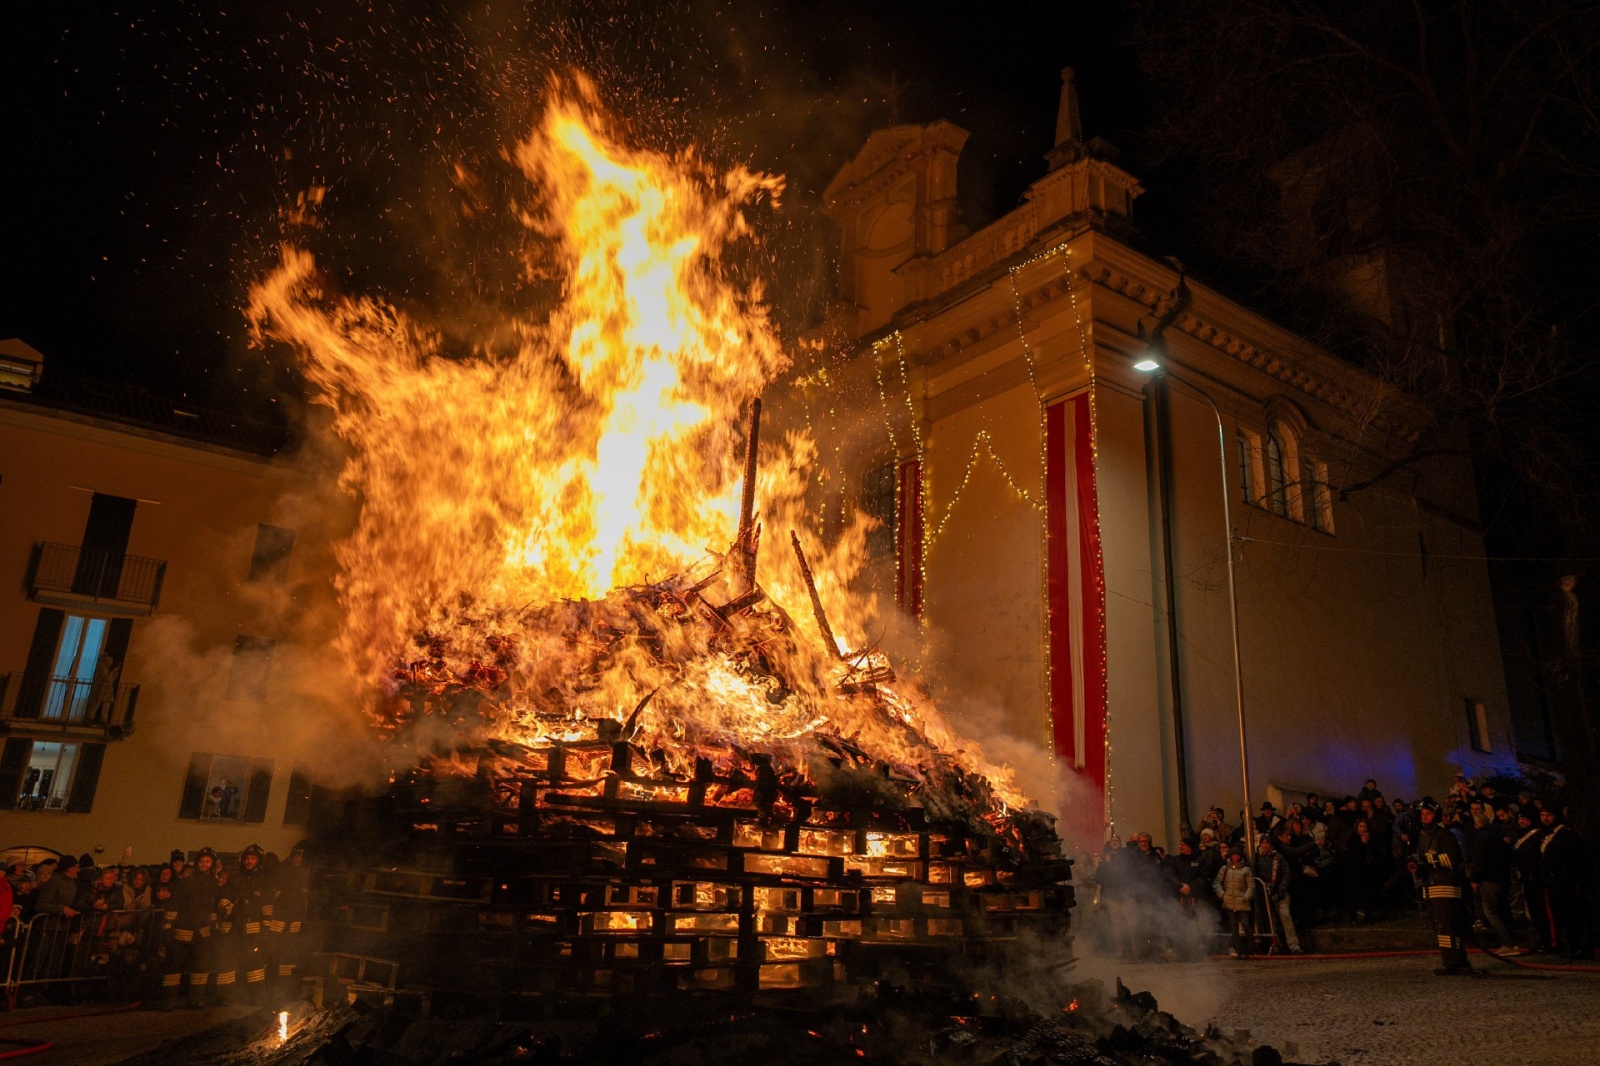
[1158,420]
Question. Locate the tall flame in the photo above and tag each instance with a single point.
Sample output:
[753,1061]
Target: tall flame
[603,452]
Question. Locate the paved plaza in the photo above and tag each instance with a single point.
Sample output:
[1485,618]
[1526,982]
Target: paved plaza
[96,1035]
[1381,1012]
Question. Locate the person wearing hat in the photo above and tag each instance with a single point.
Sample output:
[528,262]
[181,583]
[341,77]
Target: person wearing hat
[291,883]
[1235,887]
[252,894]
[1439,849]
[60,895]
[1561,867]
[194,906]
[1267,819]
[1526,861]
[222,947]
[1276,873]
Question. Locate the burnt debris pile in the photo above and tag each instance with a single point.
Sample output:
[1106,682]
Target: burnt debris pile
[883,1022]
[599,860]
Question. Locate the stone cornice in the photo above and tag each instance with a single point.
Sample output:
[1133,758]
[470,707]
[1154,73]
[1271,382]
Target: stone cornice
[111,434]
[1244,337]
[1254,341]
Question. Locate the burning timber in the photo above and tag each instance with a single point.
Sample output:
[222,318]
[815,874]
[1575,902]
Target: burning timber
[721,834]
[593,861]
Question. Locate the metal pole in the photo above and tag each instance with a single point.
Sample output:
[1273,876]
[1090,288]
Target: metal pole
[1233,606]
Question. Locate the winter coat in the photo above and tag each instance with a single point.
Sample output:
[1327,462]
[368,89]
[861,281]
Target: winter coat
[1560,854]
[1488,856]
[1235,886]
[1275,872]
[59,892]
[1526,857]
[194,898]
[1192,870]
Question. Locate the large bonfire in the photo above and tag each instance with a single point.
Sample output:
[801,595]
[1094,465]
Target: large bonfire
[549,548]
[621,765]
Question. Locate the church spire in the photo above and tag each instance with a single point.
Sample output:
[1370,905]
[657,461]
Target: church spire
[1070,146]
[1069,125]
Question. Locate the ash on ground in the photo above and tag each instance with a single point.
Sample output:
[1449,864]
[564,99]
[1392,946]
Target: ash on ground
[881,1023]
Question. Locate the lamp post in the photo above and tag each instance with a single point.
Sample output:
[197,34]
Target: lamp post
[1154,368]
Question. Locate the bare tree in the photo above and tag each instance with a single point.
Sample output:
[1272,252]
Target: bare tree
[1413,186]
[1416,187]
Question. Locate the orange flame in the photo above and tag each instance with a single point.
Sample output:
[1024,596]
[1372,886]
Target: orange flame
[602,453]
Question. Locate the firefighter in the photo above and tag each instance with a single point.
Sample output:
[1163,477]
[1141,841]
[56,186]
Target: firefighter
[1447,908]
[223,943]
[193,908]
[291,884]
[252,896]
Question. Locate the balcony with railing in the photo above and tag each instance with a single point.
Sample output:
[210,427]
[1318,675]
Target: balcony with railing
[71,705]
[115,583]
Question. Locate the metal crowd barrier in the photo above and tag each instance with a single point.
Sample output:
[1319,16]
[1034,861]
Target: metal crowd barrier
[99,947]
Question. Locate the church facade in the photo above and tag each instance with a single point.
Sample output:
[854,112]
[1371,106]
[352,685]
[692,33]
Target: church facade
[1066,439]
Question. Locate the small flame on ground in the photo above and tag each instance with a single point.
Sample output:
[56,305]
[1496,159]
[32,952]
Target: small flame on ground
[283,1025]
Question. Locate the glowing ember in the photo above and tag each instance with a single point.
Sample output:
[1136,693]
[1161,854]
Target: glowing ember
[550,513]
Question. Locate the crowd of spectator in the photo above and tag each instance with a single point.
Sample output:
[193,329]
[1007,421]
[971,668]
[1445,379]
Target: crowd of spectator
[1351,860]
[194,923]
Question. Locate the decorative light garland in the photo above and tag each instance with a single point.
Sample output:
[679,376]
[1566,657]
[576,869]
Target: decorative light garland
[883,396]
[1044,460]
[983,445]
[1099,554]
[905,383]
[986,443]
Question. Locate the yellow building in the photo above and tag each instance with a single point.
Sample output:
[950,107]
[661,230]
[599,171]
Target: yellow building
[142,552]
[1054,516]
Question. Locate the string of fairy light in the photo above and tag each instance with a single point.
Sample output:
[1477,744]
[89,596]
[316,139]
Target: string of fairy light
[1044,460]
[983,447]
[1098,569]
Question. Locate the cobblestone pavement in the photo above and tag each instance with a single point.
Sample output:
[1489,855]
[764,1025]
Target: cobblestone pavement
[1381,1012]
[84,1037]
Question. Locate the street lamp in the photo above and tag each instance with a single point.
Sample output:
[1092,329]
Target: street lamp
[1153,367]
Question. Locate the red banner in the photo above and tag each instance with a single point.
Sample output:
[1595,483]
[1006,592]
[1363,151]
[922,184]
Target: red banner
[1077,610]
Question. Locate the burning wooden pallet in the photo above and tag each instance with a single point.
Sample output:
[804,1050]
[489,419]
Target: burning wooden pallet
[553,880]
[598,853]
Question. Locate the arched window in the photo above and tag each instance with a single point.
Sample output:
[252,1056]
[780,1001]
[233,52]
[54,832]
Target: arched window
[1318,495]
[1283,473]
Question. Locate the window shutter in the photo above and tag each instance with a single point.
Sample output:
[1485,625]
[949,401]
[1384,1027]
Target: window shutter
[297,804]
[270,561]
[13,761]
[105,542]
[255,805]
[194,785]
[36,677]
[117,639]
[86,778]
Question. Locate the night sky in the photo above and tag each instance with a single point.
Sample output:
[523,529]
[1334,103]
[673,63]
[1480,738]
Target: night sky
[154,149]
